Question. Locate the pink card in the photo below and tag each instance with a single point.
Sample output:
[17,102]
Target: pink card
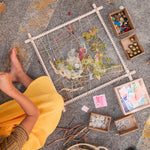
[85,108]
[100,101]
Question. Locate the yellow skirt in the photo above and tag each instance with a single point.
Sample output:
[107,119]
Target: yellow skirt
[50,104]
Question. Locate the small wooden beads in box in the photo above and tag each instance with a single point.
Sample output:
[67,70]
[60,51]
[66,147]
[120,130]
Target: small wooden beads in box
[132,46]
[121,22]
[126,124]
[99,122]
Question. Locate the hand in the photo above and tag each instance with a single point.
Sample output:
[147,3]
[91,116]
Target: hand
[5,83]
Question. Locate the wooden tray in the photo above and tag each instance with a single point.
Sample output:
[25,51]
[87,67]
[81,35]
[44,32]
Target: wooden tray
[88,146]
[126,124]
[125,43]
[127,16]
[100,129]
[147,104]
[2,6]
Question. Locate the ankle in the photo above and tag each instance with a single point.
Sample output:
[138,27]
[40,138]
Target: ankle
[24,79]
[21,76]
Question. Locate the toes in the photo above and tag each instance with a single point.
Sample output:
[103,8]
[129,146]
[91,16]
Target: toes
[14,51]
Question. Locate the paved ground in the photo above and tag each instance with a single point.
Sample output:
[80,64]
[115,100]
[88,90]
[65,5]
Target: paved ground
[16,21]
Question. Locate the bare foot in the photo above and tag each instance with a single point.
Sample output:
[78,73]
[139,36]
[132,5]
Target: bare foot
[16,68]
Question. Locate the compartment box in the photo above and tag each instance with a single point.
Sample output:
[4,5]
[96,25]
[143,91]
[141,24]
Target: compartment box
[99,122]
[2,6]
[126,124]
[125,21]
[126,42]
[132,96]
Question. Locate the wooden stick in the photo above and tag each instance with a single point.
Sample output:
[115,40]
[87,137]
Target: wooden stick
[75,134]
[69,126]
[69,130]
[55,141]
[63,25]
[40,58]
[112,40]
[70,137]
[78,125]
[61,128]
[66,129]
[65,133]
[84,136]
[98,88]
[61,131]
[75,127]
[79,132]
[71,122]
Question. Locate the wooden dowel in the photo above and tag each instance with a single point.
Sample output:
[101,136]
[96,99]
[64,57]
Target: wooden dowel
[75,127]
[71,122]
[69,126]
[40,58]
[78,125]
[71,136]
[66,129]
[84,136]
[63,25]
[75,134]
[79,132]
[112,40]
[55,141]
[60,132]
[65,133]
[98,88]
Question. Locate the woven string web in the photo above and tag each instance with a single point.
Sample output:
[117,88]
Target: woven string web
[79,57]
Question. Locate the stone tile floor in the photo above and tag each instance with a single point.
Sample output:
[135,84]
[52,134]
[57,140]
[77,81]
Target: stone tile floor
[17,13]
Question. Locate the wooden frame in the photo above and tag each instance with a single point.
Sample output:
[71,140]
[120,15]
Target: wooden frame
[131,116]
[138,108]
[127,16]
[95,10]
[126,41]
[99,129]
[2,6]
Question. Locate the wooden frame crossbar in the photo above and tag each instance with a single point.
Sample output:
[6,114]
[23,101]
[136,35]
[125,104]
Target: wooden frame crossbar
[63,25]
[112,40]
[95,10]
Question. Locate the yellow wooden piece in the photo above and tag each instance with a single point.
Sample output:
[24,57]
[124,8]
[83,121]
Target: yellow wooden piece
[2,7]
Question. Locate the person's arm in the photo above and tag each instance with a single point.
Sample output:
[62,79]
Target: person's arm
[32,112]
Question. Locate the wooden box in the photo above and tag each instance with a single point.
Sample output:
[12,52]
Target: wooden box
[2,6]
[129,22]
[126,42]
[132,96]
[126,124]
[99,122]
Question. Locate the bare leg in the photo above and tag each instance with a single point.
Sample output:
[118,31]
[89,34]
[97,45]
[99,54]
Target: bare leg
[17,73]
